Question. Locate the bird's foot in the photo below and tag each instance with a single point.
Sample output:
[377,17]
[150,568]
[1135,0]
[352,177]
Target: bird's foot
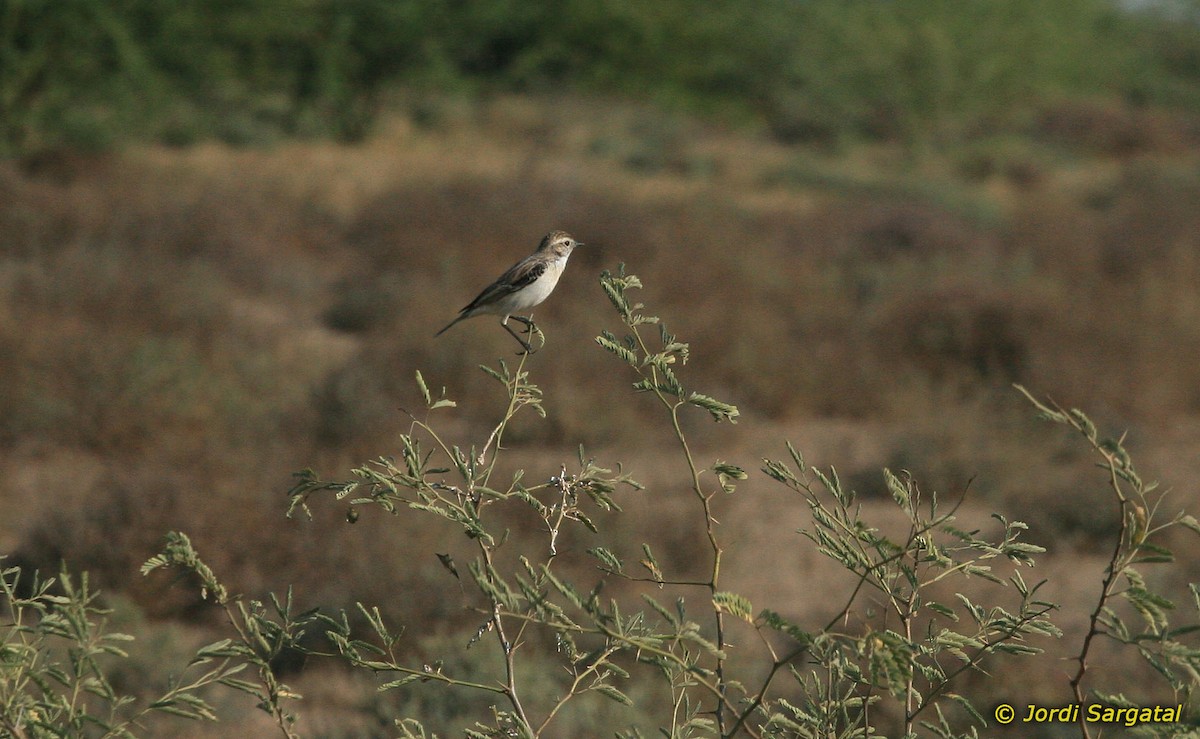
[530,330]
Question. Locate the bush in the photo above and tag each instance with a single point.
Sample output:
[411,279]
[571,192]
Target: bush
[57,657]
[926,605]
[929,607]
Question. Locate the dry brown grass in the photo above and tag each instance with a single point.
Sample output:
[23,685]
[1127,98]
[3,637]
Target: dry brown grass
[182,329]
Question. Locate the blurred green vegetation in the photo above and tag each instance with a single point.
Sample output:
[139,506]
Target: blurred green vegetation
[92,73]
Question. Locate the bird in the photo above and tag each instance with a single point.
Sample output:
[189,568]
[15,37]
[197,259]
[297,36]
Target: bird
[525,285]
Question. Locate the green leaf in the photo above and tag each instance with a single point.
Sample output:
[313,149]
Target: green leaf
[609,342]
[1151,606]
[651,564]
[175,710]
[729,470]
[608,559]
[424,389]
[897,487]
[615,293]
[501,377]
[402,681]
[670,618]
[774,621]
[244,686]
[726,473]
[643,386]
[942,609]
[611,692]
[891,660]
[968,707]
[734,604]
[670,384]
[1189,522]
[778,471]
[720,411]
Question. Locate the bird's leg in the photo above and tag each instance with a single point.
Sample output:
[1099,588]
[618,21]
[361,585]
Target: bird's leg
[515,335]
[529,325]
[531,330]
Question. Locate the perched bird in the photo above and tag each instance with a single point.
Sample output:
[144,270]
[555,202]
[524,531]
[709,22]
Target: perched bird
[525,285]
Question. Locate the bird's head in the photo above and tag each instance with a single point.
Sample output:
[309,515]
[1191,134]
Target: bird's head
[558,243]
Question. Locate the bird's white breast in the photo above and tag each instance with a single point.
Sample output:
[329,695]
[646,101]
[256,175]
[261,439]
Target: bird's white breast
[535,293]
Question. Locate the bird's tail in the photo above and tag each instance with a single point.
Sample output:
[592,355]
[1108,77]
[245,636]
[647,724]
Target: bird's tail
[448,325]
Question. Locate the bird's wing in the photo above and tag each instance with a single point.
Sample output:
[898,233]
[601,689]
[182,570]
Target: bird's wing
[519,276]
[523,273]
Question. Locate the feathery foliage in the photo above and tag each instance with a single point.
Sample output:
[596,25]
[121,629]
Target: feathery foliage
[925,605]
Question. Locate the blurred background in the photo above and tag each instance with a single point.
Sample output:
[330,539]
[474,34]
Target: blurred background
[229,230]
